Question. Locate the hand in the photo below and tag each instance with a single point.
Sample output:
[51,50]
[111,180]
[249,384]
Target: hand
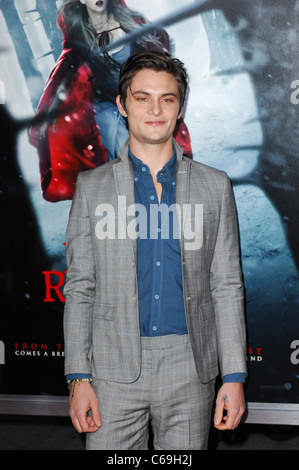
[83,399]
[44,130]
[230,398]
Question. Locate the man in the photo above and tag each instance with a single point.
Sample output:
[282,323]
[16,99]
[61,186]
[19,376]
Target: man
[150,318]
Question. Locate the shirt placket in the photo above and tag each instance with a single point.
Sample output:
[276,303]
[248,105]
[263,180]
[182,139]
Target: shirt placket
[158,255]
[157,252]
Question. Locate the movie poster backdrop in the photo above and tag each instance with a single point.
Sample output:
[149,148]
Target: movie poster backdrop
[242,117]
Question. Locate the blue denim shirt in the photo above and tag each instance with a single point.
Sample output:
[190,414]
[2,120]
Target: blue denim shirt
[159,268]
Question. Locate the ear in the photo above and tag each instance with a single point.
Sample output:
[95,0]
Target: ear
[180,113]
[120,107]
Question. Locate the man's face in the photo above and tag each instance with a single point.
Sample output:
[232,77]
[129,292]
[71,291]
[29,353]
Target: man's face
[152,106]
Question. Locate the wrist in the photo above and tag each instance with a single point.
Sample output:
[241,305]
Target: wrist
[74,382]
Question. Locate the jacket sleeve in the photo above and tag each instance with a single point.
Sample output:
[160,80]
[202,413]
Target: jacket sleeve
[70,141]
[80,286]
[227,289]
[64,67]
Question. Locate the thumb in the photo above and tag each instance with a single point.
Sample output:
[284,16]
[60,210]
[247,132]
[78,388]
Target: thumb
[96,415]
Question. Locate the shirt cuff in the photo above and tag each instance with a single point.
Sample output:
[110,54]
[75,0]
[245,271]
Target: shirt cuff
[77,376]
[238,377]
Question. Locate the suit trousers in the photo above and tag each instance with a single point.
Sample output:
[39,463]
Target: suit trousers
[168,394]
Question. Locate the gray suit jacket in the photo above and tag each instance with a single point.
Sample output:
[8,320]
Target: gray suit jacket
[101,320]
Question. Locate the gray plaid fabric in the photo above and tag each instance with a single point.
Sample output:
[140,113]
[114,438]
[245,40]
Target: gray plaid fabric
[168,392]
[101,320]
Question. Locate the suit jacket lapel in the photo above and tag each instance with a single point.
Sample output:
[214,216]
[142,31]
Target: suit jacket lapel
[124,182]
[182,189]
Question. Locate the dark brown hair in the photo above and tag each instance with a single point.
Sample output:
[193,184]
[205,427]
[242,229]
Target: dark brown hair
[158,61]
[73,20]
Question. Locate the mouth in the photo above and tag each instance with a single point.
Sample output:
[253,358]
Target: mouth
[155,123]
[99,3]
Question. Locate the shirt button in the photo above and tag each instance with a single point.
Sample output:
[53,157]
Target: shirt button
[154,328]
[136,179]
[158,230]
[157,297]
[152,198]
[143,168]
[158,263]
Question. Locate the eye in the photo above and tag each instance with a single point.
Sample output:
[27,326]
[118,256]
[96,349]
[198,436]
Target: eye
[141,98]
[168,100]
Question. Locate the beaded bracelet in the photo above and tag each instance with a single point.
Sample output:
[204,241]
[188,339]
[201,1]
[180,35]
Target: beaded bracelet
[78,381]
[74,382]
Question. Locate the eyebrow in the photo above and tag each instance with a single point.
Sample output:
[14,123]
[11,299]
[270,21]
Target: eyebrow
[141,92]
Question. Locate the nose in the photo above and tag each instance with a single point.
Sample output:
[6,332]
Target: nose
[155,108]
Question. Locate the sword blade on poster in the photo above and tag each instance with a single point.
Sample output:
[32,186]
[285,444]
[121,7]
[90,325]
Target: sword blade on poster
[186,12]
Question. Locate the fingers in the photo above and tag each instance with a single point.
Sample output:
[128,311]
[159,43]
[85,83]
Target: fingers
[219,414]
[96,417]
[228,422]
[76,424]
[44,130]
[81,402]
[230,406]
[84,423]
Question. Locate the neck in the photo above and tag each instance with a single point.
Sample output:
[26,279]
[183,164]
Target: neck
[155,156]
[98,19]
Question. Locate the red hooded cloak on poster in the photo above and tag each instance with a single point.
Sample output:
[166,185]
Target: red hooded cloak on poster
[64,129]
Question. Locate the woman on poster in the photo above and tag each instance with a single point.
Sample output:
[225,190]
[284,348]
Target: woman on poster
[77,125]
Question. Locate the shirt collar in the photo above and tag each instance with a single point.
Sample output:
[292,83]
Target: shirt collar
[167,173]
